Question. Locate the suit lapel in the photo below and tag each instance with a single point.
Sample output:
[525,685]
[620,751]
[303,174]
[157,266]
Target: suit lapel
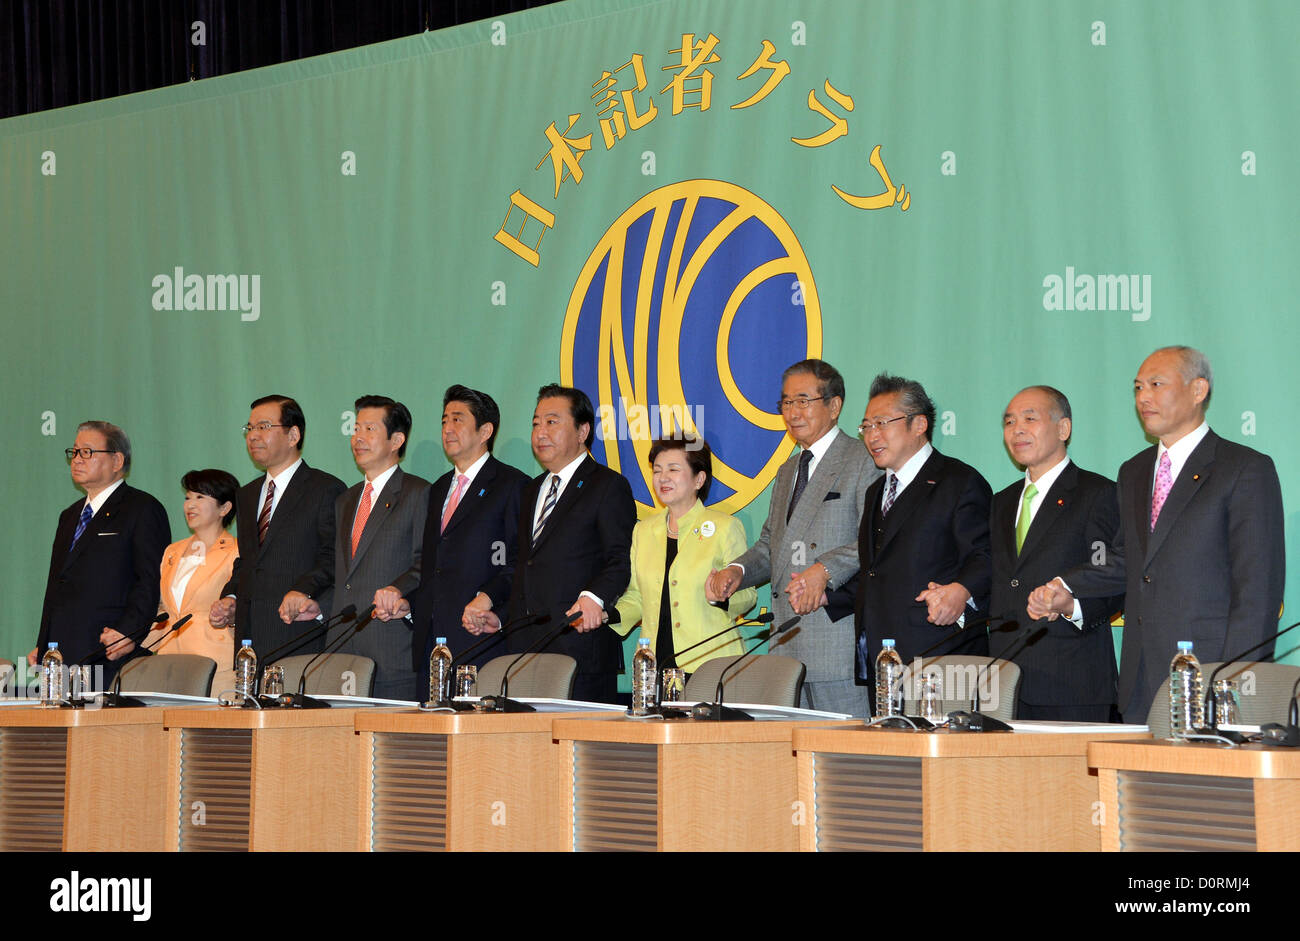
[292,494]
[570,496]
[1195,472]
[1055,502]
[1003,526]
[915,495]
[819,484]
[213,563]
[381,507]
[871,514]
[103,521]
[472,498]
[1141,502]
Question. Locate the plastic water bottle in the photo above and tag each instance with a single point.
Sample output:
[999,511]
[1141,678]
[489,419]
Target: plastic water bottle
[889,681]
[440,671]
[644,676]
[1186,704]
[53,676]
[246,670]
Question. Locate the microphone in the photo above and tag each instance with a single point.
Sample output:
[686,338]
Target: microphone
[1212,697]
[503,702]
[976,721]
[301,700]
[716,711]
[347,614]
[113,699]
[767,617]
[490,640]
[101,649]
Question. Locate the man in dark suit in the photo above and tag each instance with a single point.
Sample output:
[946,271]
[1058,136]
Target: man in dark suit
[809,539]
[923,546]
[380,529]
[106,554]
[469,538]
[1200,551]
[286,534]
[1055,517]
[575,540]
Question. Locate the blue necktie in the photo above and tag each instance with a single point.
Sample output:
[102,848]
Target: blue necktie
[82,523]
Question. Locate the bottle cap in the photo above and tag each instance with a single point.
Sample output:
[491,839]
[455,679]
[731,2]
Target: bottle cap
[1184,645]
[246,642]
[643,642]
[440,640]
[889,642]
[54,645]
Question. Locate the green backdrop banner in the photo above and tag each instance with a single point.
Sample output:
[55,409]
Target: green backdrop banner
[664,202]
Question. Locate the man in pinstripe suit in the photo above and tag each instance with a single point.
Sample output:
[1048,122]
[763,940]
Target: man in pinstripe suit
[286,533]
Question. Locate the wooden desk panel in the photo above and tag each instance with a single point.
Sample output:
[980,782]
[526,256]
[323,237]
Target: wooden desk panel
[681,786]
[948,791]
[490,781]
[299,768]
[82,779]
[1198,796]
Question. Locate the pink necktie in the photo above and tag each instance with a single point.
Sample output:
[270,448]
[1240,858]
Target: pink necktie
[363,514]
[1164,483]
[461,481]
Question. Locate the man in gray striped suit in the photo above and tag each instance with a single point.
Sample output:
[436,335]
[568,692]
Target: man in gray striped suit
[809,542]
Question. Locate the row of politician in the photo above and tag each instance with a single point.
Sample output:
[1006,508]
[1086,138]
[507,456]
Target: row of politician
[879,536]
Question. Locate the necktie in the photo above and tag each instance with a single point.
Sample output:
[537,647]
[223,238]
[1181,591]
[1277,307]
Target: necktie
[890,496]
[461,481]
[800,481]
[82,522]
[264,518]
[546,509]
[363,514]
[1164,483]
[1022,524]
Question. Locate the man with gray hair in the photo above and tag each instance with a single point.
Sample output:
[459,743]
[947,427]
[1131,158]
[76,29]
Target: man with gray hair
[1200,551]
[107,550]
[808,545]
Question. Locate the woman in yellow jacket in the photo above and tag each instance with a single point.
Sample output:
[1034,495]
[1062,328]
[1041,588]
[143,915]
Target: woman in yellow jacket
[686,540]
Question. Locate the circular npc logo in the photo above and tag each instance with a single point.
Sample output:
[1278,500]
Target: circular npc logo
[684,316]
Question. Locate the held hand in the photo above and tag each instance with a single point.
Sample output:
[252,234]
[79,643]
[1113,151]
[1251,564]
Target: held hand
[807,589]
[592,614]
[31,658]
[118,646]
[479,621]
[1050,601]
[390,604]
[945,602]
[722,584]
[223,610]
[294,606]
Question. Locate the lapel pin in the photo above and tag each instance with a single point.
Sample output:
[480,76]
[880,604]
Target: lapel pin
[387,505]
[580,483]
[482,491]
[1196,477]
[1060,503]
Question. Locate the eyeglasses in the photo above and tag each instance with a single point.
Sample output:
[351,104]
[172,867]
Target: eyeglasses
[802,403]
[85,453]
[869,426]
[262,426]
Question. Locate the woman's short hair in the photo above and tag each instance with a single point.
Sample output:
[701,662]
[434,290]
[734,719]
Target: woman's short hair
[217,484]
[698,456]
